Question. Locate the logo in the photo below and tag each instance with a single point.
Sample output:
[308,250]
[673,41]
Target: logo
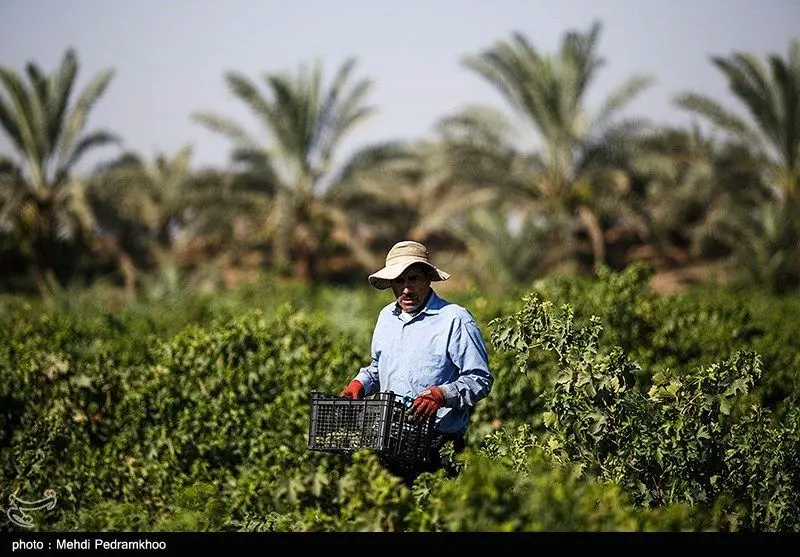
[16,512]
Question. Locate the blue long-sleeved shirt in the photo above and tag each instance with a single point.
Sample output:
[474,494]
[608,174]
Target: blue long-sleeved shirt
[440,346]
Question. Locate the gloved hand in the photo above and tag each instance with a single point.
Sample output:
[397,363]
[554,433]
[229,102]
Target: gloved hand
[353,391]
[427,403]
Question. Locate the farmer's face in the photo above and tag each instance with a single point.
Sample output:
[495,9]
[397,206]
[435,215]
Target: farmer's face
[411,288]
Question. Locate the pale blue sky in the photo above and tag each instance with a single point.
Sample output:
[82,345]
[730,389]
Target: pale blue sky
[170,55]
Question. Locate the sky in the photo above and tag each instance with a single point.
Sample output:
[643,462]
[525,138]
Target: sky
[170,56]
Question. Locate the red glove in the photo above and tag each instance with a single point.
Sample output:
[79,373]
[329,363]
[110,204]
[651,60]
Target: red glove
[427,403]
[353,391]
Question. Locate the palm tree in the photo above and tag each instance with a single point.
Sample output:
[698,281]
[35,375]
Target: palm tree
[767,252]
[139,209]
[306,124]
[11,181]
[771,94]
[686,194]
[424,190]
[15,263]
[48,135]
[506,249]
[570,174]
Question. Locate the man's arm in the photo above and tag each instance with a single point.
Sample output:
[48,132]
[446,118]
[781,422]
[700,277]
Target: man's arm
[368,377]
[467,350]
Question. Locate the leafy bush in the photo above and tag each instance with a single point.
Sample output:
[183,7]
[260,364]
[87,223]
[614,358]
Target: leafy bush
[657,413]
[688,438]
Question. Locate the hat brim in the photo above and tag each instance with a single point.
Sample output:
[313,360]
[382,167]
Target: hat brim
[381,279]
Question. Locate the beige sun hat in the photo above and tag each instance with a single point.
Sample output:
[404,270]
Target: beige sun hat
[400,257]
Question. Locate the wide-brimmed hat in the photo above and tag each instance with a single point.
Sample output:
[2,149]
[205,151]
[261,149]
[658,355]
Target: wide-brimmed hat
[400,257]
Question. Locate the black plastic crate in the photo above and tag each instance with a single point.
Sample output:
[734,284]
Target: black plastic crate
[379,422]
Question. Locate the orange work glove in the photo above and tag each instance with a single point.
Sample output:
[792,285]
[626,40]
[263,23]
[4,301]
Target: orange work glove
[353,391]
[427,403]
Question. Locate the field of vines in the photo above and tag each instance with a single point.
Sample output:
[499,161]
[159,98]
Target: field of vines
[613,409]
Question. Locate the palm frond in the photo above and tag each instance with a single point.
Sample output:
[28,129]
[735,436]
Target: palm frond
[86,143]
[483,125]
[770,92]
[62,83]
[22,130]
[76,119]
[621,97]
[223,125]
[717,114]
[373,164]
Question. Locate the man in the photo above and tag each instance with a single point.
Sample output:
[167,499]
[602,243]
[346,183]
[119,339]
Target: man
[425,348]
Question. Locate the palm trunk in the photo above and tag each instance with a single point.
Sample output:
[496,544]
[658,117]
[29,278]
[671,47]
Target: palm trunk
[128,273]
[108,247]
[589,220]
[40,281]
[305,267]
[43,247]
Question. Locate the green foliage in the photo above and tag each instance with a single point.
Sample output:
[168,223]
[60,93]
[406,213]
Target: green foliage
[61,380]
[681,332]
[655,413]
[686,438]
[510,484]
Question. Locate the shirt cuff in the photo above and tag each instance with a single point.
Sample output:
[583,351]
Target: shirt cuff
[450,392]
[365,380]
